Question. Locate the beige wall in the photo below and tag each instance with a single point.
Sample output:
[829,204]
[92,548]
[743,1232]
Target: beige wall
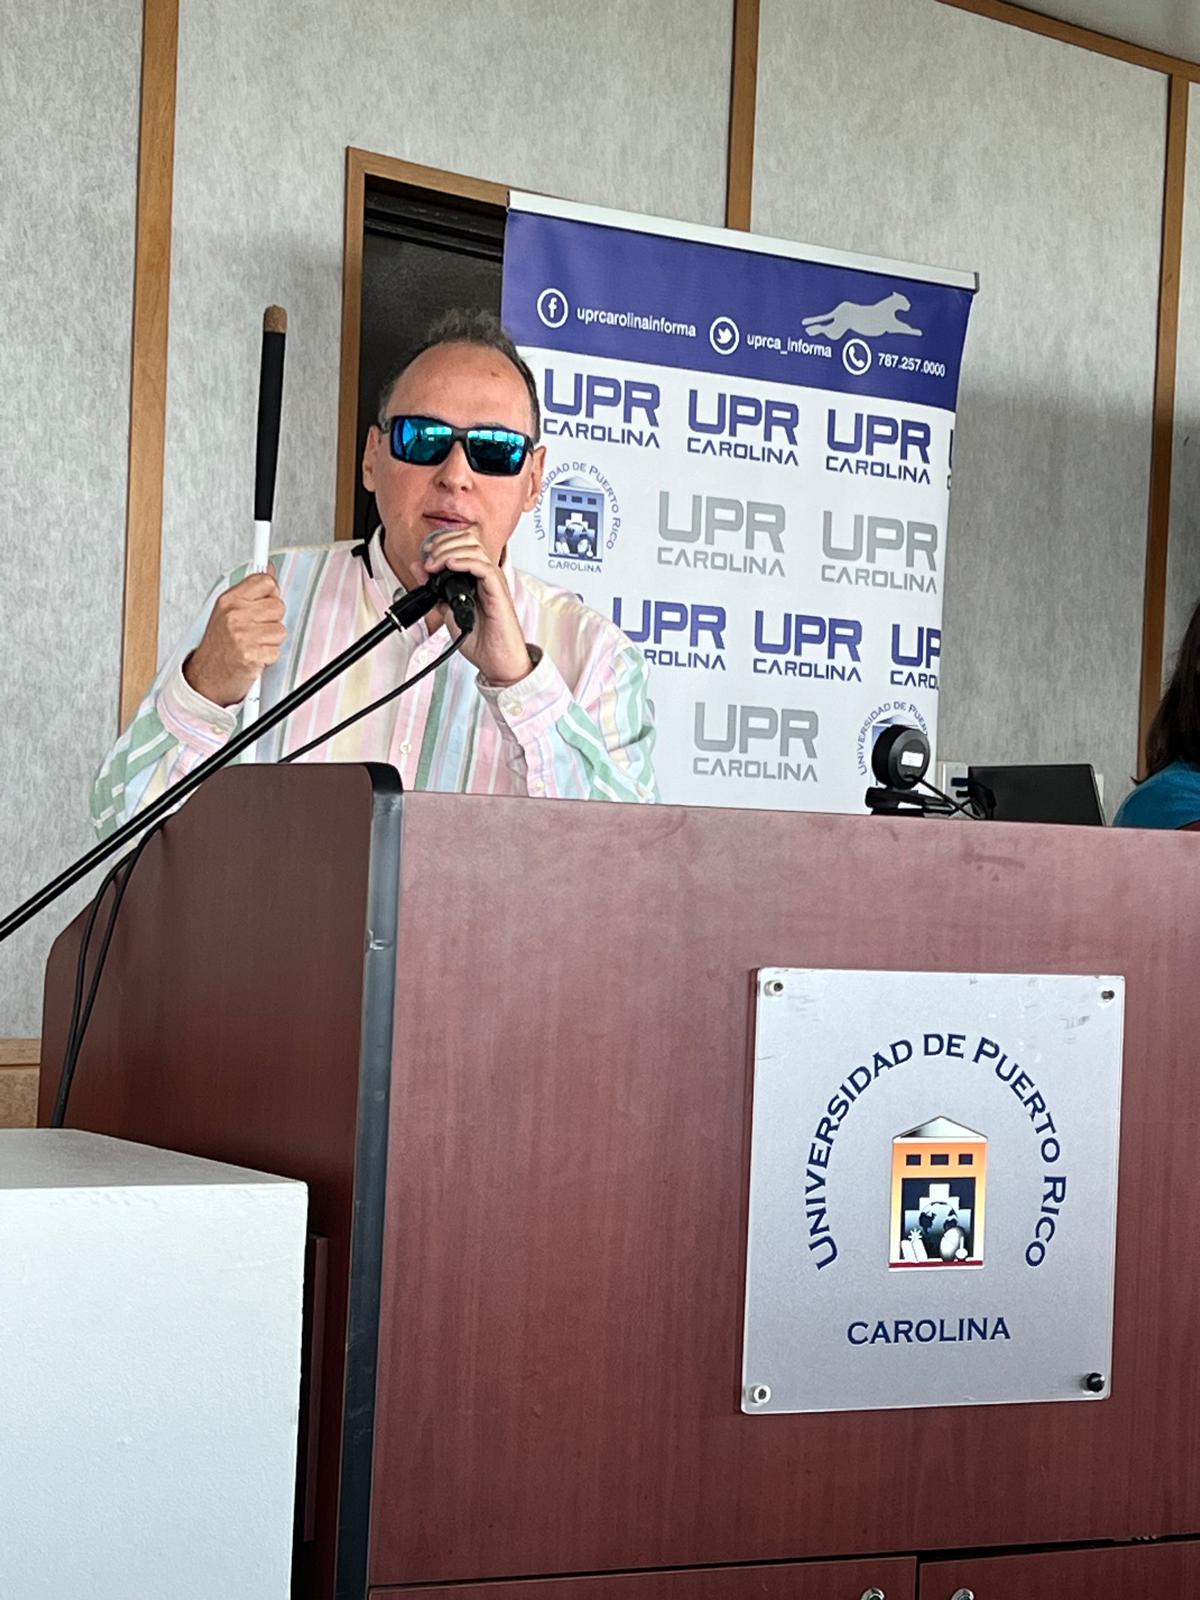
[933,135]
[69,76]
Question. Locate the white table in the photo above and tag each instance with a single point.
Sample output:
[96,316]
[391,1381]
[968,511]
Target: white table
[150,1323]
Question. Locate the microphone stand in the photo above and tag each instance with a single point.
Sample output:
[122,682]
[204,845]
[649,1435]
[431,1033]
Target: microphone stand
[406,609]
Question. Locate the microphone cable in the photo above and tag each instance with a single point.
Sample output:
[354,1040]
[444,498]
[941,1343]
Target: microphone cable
[409,683]
[120,874]
[81,1010]
[968,807]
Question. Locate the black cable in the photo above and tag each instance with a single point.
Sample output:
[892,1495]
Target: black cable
[955,805]
[366,711]
[85,943]
[81,1012]
[406,609]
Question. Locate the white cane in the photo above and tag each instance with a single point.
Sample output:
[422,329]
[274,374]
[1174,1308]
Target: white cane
[270,406]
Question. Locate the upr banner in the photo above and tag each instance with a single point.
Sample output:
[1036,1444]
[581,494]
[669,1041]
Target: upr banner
[748,470]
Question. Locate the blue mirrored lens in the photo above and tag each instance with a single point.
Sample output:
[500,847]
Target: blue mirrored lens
[498,451]
[420,441]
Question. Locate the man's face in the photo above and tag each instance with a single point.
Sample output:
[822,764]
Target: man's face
[464,385]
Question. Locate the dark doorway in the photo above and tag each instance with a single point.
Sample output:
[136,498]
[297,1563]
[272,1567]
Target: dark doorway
[422,255]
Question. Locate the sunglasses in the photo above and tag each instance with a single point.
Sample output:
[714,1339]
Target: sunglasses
[426,442]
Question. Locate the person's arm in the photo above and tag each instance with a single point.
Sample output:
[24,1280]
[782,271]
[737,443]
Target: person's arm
[595,744]
[592,741]
[192,706]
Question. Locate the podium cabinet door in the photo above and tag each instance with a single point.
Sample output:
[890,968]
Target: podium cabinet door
[888,1579]
[1120,1572]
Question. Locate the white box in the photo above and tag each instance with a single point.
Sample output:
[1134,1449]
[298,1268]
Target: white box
[150,1324]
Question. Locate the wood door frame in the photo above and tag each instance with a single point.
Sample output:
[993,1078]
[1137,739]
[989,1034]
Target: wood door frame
[365,168]
[743,111]
[20,1061]
[1162,445]
[148,377]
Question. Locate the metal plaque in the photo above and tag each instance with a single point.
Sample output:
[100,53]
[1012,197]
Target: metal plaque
[933,1189]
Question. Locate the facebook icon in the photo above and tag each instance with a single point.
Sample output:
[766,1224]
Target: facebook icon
[552,307]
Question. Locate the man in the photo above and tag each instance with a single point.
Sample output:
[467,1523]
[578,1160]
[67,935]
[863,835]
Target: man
[545,697]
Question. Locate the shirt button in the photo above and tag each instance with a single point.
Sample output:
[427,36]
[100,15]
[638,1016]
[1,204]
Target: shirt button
[513,707]
[406,748]
[536,786]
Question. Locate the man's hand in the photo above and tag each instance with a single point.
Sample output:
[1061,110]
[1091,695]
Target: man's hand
[497,646]
[244,636]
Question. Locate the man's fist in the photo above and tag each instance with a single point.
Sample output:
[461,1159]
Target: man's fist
[244,636]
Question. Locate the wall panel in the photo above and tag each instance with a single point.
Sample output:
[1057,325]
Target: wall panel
[919,132]
[69,79]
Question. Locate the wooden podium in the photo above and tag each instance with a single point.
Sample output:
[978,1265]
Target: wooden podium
[506,1043]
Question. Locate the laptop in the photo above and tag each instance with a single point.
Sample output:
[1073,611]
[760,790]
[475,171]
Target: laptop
[1057,792]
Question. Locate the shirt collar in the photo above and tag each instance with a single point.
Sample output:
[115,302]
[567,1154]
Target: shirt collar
[388,575]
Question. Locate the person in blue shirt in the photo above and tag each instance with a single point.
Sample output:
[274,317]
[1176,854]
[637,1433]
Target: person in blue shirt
[1169,796]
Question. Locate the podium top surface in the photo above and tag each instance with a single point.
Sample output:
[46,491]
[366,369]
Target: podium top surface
[66,1158]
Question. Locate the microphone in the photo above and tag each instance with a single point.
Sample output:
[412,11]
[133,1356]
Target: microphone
[899,762]
[900,758]
[456,590]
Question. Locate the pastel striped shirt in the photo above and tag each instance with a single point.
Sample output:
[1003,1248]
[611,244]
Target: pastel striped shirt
[580,726]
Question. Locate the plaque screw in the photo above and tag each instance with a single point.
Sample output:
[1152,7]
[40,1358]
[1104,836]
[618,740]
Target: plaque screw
[773,986]
[758,1394]
[1108,994]
[873,1594]
[963,1594]
[1094,1383]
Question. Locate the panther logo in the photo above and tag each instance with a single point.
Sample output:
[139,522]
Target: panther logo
[871,322]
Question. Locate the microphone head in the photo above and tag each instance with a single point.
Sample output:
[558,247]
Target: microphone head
[274,320]
[456,590]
